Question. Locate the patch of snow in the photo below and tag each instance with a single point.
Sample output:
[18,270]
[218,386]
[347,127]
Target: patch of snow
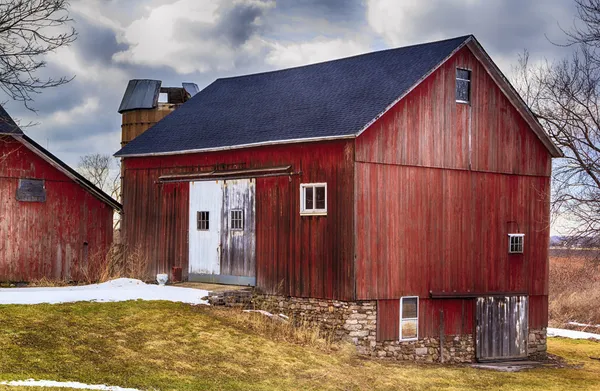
[66,384]
[571,334]
[121,289]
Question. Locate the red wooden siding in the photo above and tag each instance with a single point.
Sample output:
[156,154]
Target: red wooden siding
[428,128]
[297,256]
[439,185]
[46,239]
[425,229]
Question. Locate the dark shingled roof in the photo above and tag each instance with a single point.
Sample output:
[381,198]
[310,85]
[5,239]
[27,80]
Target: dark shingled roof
[325,100]
[7,125]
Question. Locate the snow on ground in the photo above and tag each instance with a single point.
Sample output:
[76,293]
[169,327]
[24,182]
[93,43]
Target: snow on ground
[66,384]
[121,289]
[571,334]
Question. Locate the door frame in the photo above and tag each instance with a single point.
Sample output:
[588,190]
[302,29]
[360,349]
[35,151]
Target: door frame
[220,278]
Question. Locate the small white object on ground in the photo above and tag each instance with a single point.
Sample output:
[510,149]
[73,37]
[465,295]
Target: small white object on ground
[121,289]
[571,334]
[65,384]
[162,279]
[265,313]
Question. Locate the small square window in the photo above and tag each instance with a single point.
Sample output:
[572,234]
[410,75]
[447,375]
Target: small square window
[409,318]
[31,190]
[463,85]
[203,219]
[515,243]
[237,219]
[313,199]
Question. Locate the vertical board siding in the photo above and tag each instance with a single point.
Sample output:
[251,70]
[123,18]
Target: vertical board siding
[428,128]
[439,185]
[46,239]
[458,315]
[447,231]
[309,256]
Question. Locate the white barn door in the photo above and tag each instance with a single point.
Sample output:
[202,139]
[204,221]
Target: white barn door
[206,208]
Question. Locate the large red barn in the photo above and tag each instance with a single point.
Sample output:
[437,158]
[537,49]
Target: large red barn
[54,224]
[401,196]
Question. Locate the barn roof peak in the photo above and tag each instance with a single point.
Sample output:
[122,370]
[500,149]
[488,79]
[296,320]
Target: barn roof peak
[324,101]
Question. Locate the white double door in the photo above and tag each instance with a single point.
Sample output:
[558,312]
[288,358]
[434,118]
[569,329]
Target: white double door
[222,231]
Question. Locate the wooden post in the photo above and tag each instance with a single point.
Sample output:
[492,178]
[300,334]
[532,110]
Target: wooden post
[442,336]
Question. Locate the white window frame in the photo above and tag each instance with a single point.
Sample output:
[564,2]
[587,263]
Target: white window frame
[510,236]
[314,211]
[411,319]
[456,78]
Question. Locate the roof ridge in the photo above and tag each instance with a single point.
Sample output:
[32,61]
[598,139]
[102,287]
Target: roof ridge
[463,37]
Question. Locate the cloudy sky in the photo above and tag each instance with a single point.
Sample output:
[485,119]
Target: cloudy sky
[201,40]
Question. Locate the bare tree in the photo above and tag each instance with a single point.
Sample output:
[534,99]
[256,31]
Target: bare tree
[30,29]
[565,96]
[103,171]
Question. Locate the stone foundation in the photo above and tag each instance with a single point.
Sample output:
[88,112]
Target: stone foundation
[356,322]
[536,346]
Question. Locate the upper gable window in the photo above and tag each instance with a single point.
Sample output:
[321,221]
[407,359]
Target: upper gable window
[463,85]
[31,190]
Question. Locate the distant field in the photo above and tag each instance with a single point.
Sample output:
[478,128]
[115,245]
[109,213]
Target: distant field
[574,294]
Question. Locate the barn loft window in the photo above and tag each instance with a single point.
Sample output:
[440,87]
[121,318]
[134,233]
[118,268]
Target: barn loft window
[31,190]
[463,85]
[515,243]
[313,199]
[237,219]
[409,318]
[202,220]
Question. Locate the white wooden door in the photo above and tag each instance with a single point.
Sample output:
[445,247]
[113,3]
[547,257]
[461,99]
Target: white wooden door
[206,209]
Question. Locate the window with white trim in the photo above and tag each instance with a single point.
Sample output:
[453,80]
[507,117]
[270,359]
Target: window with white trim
[409,318]
[515,243]
[237,220]
[463,85]
[313,198]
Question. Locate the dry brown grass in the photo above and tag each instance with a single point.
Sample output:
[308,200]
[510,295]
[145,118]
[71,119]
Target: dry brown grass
[299,332]
[574,294]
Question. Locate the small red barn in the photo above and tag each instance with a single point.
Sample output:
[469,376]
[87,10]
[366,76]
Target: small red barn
[400,196]
[54,223]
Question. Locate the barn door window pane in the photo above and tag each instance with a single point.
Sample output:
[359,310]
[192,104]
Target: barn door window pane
[515,243]
[31,190]
[313,199]
[463,85]
[409,318]
[237,219]
[203,220]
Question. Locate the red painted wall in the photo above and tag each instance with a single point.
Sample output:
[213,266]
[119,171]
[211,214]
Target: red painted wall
[47,239]
[439,185]
[298,256]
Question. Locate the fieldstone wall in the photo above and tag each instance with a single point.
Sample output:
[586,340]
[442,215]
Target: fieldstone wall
[536,347]
[356,322]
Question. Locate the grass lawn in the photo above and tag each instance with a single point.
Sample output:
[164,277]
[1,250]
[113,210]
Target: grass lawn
[168,346]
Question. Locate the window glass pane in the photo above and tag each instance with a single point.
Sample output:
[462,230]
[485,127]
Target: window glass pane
[237,219]
[463,74]
[320,190]
[308,198]
[462,90]
[203,219]
[31,190]
[409,307]
[409,329]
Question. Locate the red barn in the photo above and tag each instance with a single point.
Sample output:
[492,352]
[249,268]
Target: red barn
[401,197]
[54,223]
